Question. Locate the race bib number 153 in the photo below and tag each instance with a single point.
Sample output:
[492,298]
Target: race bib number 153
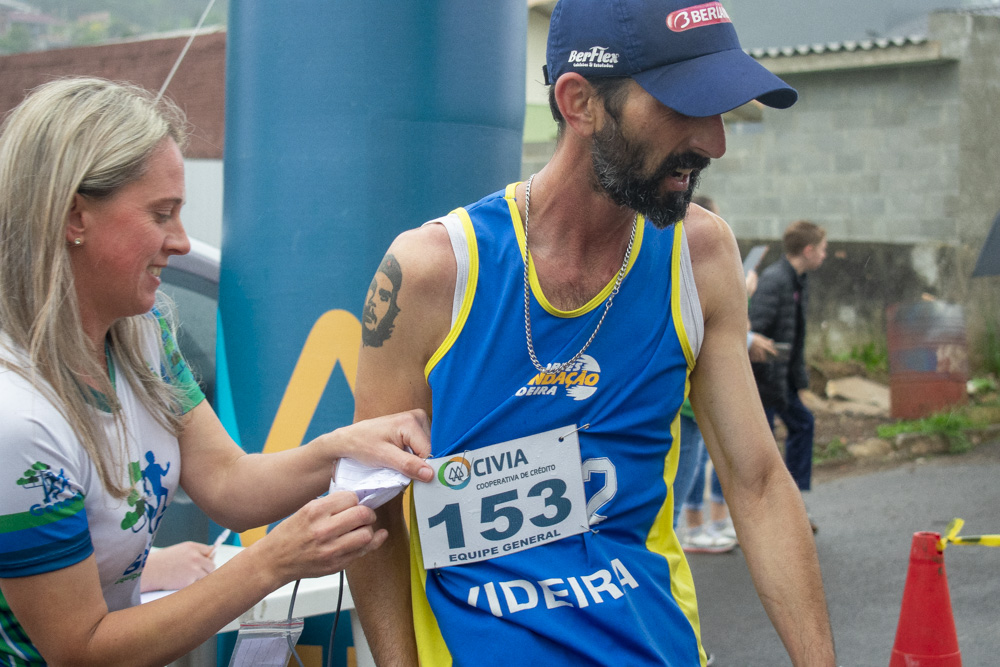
[501,499]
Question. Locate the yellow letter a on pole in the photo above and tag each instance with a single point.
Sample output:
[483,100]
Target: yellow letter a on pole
[336,336]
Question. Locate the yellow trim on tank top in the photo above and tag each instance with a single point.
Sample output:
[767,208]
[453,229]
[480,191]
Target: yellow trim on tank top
[536,288]
[467,298]
[662,539]
[431,647]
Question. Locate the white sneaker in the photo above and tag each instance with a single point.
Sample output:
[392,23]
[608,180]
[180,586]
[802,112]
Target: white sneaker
[700,540]
[725,528]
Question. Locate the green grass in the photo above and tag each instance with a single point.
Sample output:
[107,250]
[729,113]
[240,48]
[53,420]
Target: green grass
[873,355]
[833,451]
[951,425]
[982,385]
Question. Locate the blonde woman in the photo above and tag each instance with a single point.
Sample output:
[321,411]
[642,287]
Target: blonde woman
[100,419]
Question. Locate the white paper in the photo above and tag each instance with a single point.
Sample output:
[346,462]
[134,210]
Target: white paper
[374,486]
[149,596]
[261,652]
[267,644]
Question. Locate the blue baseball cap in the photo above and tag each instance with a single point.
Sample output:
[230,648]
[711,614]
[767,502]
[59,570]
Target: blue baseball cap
[686,56]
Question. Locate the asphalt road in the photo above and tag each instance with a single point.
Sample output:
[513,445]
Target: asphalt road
[867,522]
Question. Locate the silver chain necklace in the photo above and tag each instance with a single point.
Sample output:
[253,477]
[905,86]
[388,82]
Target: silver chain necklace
[527,290]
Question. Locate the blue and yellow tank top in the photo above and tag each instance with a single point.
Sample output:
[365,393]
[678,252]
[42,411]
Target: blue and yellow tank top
[622,593]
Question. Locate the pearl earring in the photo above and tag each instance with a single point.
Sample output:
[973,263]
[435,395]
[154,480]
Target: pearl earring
[78,241]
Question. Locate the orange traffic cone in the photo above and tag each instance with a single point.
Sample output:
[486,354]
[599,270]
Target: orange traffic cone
[926,634]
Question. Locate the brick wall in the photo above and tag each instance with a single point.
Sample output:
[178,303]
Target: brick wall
[198,85]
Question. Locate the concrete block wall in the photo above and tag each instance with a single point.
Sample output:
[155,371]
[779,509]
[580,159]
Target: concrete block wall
[872,155]
[977,40]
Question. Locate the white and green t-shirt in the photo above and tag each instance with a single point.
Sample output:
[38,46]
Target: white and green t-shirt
[54,511]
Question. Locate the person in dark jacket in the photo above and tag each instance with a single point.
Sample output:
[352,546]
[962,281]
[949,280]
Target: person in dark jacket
[778,311]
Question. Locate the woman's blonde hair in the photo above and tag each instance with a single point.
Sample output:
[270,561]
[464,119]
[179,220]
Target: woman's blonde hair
[88,136]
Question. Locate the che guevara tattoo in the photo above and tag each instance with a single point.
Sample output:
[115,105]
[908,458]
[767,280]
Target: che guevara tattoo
[380,311]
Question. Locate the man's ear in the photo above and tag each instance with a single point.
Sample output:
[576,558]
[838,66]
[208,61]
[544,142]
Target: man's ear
[579,103]
[76,221]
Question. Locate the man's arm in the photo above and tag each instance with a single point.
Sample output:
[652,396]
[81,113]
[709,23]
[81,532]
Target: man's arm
[391,378]
[766,506]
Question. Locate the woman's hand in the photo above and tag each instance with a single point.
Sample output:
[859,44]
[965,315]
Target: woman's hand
[322,538]
[382,443]
[243,491]
[174,567]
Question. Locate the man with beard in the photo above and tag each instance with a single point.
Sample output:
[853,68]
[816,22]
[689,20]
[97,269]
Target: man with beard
[595,275]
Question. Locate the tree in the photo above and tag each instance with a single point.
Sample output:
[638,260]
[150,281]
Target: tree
[17,40]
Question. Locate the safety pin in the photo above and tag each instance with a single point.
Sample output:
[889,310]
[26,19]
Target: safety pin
[578,428]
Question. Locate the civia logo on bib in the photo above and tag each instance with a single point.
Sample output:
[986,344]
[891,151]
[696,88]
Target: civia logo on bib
[710,13]
[456,473]
[577,381]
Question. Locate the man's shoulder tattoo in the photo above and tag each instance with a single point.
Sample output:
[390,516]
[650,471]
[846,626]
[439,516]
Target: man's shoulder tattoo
[381,304]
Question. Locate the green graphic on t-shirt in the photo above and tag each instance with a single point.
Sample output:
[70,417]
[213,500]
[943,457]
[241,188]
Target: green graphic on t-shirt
[31,476]
[135,500]
[149,503]
[40,475]
[138,503]
[147,506]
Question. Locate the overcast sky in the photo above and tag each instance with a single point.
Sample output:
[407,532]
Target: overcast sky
[764,23]
[760,23]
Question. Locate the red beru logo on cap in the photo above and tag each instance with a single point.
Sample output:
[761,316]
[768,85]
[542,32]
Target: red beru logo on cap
[709,13]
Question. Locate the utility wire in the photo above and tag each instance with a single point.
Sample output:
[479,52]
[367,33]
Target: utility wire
[184,51]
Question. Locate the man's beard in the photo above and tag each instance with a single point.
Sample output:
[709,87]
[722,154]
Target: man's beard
[618,169]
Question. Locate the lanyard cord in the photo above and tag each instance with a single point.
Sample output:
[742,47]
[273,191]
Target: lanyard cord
[291,605]
[336,621]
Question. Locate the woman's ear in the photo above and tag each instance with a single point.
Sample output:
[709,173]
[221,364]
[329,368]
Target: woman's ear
[76,221]
[579,103]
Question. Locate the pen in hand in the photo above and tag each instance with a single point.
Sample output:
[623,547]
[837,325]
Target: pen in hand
[218,541]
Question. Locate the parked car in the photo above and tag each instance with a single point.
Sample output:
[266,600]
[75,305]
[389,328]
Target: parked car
[192,282]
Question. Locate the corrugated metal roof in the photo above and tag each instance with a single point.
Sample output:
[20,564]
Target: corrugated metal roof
[918,36]
[838,47]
